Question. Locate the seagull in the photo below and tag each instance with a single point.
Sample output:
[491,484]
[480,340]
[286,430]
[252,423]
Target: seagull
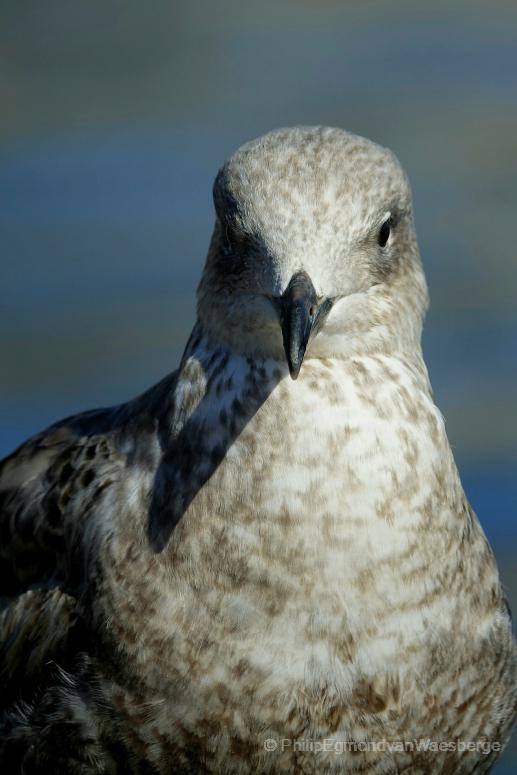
[266,562]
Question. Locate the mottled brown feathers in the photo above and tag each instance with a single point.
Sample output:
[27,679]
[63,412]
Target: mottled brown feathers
[237,566]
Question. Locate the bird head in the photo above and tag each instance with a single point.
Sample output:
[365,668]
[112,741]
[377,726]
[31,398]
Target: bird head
[314,253]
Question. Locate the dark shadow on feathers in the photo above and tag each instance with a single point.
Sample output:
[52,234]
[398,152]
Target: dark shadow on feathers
[180,476]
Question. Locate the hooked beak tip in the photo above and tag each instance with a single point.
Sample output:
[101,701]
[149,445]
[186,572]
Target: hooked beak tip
[294,369]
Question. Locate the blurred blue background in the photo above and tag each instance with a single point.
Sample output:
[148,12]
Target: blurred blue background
[115,117]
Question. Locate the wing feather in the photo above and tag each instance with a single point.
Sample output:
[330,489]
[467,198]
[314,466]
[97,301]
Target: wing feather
[46,486]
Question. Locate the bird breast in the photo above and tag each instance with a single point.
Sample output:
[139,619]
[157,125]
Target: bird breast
[324,527]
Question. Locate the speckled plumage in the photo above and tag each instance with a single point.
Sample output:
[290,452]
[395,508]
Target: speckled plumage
[235,555]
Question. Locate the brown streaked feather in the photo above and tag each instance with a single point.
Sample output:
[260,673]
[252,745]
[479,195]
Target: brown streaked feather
[40,628]
[45,486]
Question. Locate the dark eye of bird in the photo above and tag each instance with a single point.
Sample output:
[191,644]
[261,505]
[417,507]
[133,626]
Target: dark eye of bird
[236,238]
[229,234]
[384,233]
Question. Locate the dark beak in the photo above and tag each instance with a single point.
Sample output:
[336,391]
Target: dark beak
[299,312]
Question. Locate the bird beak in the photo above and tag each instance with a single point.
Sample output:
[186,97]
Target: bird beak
[298,314]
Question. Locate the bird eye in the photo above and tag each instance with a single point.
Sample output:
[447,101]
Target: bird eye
[235,237]
[384,232]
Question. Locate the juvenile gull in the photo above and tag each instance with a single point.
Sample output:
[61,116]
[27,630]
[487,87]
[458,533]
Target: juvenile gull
[271,548]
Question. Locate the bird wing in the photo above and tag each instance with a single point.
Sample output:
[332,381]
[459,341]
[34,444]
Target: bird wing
[48,492]
[46,487]
[50,712]
[51,485]
[56,492]
[38,628]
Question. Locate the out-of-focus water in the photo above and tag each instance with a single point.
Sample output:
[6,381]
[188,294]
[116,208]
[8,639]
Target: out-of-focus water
[115,117]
